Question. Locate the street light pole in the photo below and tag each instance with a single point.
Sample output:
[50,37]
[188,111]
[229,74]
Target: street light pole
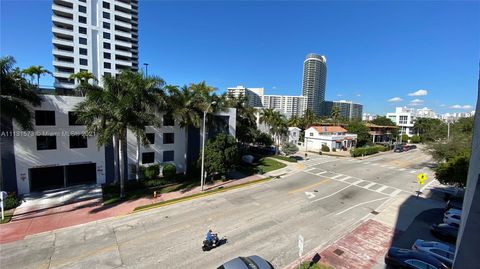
[202,175]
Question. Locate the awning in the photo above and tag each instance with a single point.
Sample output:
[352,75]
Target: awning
[338,141]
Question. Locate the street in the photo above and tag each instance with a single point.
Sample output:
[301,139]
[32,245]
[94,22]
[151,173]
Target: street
[326,198]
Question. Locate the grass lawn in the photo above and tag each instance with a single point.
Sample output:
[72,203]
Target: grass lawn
[8,215]
[267,165]
[284,158]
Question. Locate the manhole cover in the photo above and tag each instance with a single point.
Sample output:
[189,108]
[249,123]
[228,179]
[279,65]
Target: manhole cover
[374,212]
[338,252]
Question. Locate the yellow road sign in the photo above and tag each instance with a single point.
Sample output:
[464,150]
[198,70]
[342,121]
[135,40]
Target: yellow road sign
[421,178]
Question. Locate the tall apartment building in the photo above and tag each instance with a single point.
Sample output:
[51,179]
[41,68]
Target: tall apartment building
[348,109]
[288,105]
[254,95]
[98,36]
[314,81]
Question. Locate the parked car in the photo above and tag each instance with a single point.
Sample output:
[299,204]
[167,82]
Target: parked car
[443,252]
[250,262]
[398,149]
[445,232]
[452,217]
[406,258]
[456,203]
[412,146]
[406,148]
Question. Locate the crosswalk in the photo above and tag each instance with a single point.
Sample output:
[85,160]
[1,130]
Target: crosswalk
[355,181]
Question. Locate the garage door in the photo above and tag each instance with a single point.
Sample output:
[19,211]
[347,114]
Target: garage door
[46,178]
[81,174]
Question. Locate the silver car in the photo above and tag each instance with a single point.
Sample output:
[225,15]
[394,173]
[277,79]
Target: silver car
[250,262]
[441,251]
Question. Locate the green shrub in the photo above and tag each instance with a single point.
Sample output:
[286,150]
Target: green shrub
[325,148]
[11,201]
[289,148]
[334,149]
[405,138]
[169,170]
[151,171]
[366,151]
[416,139]
[311,265]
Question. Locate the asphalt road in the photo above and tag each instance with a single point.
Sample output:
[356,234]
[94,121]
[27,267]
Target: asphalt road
[321,203]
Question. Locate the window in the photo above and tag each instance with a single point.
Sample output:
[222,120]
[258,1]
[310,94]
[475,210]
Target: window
[45,142]
[78,141]
[73,118]
[168,156]
[106,55]
[403,120]
[107,65]
[148,157]
[106,25]
[168,120]
[82,9]
[82,19]
[151,138]
[311,134]
[106,45]
[83,62]
[168,138]
[82,40]
[107,74]
[44,118]
[106,35]
[106,5]
[294,133]
[106,15]
[83,51]
[82,30]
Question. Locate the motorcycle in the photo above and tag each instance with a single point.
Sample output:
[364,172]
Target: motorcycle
[211,244]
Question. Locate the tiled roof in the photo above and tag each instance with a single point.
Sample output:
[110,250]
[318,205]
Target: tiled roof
[329,129]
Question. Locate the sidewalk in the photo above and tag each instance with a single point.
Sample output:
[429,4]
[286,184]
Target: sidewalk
[40,219]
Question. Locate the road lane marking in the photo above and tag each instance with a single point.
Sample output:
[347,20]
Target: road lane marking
[358,181]
[367,162]
[321,173]
[426,185]
[345,178]
[337,176]
[352,207]
[397,191]
[381,188]
[332,194]
[369,185]
[413,171]
[402,169]
[309,187]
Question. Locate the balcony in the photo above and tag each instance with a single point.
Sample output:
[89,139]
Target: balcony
[123,34]
[123,14]
[63,31]
[62,19]
[126,44]
[123,62]
[59,41]
[60,52]
[123,53]
[123,24]
[62,9]
[61,74]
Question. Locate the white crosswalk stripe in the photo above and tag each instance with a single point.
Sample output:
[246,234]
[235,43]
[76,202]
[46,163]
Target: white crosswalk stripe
[345,178]
[358,182]
[413,171]
[381,188]
[321,173]
[369,185]
[397,191]
[337,176]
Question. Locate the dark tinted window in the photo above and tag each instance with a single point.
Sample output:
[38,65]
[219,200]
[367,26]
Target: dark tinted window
[45,142]
[106,15]
[168,138]
[106,5]
[73,118]
[148,157]
[168,120]
[82,40]
[82,19]
[44,117]
[82,9]
[78,141]
[106,45]
[82,30]
[168,156]
[106,35]
[106,25]
[106,55]
[107,65]
[151,138]
[83,51]
[83,62]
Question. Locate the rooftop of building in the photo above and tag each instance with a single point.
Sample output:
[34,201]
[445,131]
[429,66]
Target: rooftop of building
[328,129]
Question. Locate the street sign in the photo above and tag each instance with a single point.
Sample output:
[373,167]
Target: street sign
[421,178]
[300,245]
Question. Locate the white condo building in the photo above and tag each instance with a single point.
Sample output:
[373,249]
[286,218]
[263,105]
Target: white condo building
[404,118]
[98,36]
[254,95]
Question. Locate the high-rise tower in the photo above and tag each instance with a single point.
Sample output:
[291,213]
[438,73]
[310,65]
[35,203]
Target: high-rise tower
[98,36]
[314,79]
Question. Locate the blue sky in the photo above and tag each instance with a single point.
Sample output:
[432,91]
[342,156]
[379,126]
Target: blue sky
[375,51]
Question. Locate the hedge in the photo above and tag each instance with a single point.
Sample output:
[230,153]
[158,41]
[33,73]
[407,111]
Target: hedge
[367,151]
[325,148]
[169,170]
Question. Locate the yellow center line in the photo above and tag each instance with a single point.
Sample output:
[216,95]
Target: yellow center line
[309,187]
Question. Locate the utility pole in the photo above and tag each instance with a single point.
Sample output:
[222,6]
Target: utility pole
[448,130]
[146,69]
[202,175]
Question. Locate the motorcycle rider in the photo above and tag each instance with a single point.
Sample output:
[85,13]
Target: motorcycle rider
[210,236]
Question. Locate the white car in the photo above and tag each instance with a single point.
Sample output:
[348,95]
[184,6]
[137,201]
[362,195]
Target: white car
[452,217]
[441,251]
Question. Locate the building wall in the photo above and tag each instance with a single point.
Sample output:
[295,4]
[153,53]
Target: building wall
[348,110]
[110,27]
[25,144]
[405,119]
[314,81]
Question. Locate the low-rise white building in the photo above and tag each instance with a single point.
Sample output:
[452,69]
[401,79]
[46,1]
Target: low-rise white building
[404,118]
[294,135]
[334,137]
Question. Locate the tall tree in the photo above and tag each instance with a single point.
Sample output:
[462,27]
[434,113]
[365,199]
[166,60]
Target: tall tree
[430,129]
[83,78]
[294,121]
[335,114]
[308,119]
[246,126]
[36,70]
[362,131]
[383,121]
[17,95]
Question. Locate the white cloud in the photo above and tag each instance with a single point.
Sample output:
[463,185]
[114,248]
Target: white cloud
[394,100]
[419,93]
[339,95]
[416,101]
[274,87]
[461,107]
[443,105]
[358,95]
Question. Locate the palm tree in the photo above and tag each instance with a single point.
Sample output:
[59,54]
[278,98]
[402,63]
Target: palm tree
[36,70]
[308,119]
[83,78]
[279,127]
[148,91]
[294,121]
[246,126]
[17,95]
[266,117]
[335,114]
